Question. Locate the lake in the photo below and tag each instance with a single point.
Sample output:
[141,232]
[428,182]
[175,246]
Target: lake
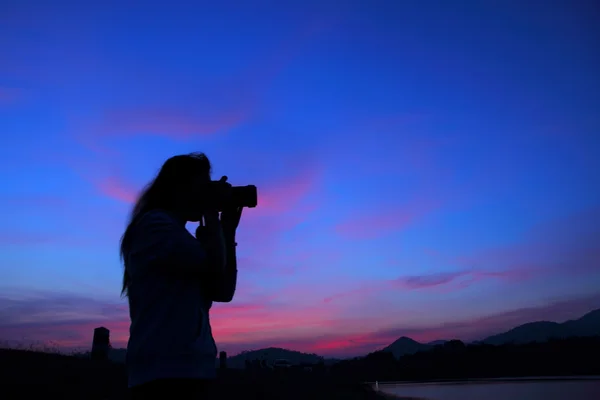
[585,388]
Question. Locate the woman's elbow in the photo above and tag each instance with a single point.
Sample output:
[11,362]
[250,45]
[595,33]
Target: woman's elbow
[224,295]
[224,287]
[223,298]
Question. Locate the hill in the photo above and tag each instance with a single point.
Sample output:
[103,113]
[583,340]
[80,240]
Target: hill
[239,361]
[542,331]
[456,361]
[404,346]
[270,355]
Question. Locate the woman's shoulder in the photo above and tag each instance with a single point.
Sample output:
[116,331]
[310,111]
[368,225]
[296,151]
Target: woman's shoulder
[152,230]
[156,215]
[154,222]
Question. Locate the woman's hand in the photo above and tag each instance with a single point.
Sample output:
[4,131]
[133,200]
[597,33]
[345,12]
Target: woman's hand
[230,219]
[211,216]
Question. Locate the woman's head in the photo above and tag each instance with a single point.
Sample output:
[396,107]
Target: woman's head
[175,188]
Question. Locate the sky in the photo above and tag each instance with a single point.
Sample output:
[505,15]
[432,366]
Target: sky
[425,168]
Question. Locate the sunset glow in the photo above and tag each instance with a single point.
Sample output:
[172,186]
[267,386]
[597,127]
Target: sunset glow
[423,171]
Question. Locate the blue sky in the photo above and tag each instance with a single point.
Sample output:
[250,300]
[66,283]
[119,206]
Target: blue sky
[425,168]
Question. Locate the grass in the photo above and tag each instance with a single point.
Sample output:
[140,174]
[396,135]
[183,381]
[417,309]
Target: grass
[30,372]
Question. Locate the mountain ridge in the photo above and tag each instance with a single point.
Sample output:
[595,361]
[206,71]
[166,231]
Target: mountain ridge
[541,331]
[537,331]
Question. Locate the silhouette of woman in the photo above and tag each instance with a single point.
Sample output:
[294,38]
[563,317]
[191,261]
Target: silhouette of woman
[171,279]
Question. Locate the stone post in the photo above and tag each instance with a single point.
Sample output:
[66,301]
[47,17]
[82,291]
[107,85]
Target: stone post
[223,360]
[101,344]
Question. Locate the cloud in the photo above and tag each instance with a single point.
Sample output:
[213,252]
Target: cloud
[257,321]
[115,188]
[276,195]
[10,96]
[374,224]
[283,261]
[24,238]
[32,201]
[47,212]
[69,319]
[284,196]
[563,245]
[427,281]
[440,281]
[159,121]
[15,238]
[284,204]
[176,109]
[308,328]
[187,114]
[478,328]
[65,319]
[251,321]
[282,207]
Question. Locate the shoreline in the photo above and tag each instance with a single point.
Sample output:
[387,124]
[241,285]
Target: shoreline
[464,381]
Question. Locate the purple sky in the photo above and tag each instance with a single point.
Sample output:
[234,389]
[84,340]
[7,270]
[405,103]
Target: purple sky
[425,168]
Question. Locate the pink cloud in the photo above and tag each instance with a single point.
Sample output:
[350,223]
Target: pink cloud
[115,188]
[377,223]
[219,108]
[202,116]
[275,261]
[283,196]
[275,197]
[174,124]
[63,319]
[69,320]
[400,145]
[283,205]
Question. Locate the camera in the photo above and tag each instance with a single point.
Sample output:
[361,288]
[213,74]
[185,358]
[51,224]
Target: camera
[243,196]
[235,196]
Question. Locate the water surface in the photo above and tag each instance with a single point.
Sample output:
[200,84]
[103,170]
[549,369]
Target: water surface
[547,389]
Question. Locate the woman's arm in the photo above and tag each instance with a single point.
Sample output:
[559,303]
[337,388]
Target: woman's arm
[224,284]
[221,282]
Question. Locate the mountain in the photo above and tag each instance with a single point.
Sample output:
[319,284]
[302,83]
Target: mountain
[588,325]
[270,355]
[406,345]
[541,331]
[437,343]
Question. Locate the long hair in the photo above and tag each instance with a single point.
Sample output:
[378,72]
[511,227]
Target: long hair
[176,175]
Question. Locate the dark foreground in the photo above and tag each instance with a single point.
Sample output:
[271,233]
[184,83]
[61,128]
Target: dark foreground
[31,375]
